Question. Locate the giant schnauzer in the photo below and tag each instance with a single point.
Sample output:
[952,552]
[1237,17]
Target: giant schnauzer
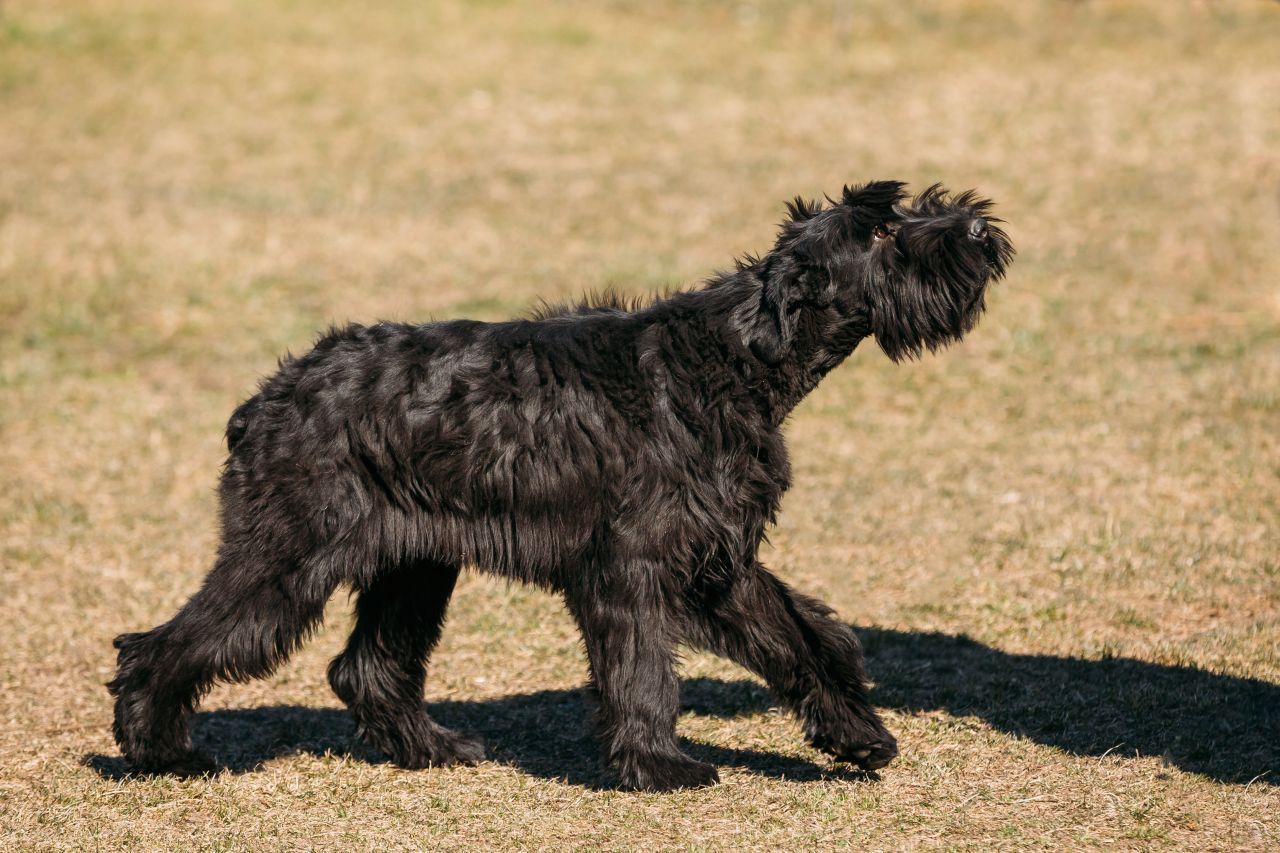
[627,456]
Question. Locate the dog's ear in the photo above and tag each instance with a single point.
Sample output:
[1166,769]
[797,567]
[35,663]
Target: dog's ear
[796,273]
[772,327]
[806,237]
[786,283]
[817,284]
[873,203]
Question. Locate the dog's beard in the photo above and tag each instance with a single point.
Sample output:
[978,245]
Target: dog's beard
[911,311]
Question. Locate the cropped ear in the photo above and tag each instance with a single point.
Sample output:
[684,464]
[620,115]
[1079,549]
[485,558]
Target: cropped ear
[873,203]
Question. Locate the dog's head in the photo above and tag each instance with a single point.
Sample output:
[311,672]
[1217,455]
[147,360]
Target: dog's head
[913,274]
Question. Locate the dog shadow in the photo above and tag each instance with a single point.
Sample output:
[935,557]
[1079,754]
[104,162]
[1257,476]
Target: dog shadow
[1222,727]
[1218,726]
[544,734]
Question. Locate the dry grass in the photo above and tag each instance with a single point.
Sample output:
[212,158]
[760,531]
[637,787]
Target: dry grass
[1089,488]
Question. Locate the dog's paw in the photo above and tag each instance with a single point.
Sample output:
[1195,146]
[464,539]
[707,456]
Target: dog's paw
[867,749]
[445,748]
[871,756]
[666,773]
[184,765]
[458,748]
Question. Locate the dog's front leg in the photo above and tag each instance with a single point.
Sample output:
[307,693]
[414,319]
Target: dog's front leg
[625,627]
[812,661]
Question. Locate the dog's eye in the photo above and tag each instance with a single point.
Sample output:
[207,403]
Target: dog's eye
[881,231]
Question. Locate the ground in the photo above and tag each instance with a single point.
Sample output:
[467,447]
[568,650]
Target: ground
[1058,540]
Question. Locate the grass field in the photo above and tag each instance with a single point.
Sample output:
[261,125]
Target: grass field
[1060,541]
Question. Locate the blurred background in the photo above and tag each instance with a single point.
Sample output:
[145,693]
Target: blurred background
[1088,488]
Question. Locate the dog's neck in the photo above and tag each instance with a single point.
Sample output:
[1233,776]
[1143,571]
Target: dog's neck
[820,340]
[821,343]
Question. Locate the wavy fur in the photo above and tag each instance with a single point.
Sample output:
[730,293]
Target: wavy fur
[626,454]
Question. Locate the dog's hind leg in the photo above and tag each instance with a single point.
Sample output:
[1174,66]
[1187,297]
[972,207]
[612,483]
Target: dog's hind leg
[626,629]
[399,616]
[812,661]
[251,612]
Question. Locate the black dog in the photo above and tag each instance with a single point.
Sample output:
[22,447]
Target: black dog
[627,457]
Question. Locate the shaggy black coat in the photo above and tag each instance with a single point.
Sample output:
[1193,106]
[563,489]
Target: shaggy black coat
[628,457]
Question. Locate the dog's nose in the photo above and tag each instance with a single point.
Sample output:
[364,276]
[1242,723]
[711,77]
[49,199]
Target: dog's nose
[978,229]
